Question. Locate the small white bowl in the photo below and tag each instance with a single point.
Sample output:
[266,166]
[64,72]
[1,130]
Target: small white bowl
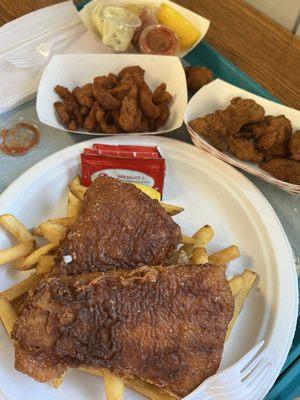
[73,70]
[200,22]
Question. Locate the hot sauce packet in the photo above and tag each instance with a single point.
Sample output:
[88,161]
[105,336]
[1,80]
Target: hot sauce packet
[132,164]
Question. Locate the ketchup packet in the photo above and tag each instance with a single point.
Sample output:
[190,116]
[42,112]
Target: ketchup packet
[132,164]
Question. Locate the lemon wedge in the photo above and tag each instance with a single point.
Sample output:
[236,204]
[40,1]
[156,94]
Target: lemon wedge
[149,191]
[187,33]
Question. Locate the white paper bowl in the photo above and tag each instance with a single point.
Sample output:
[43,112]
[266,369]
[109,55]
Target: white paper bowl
[200,22]
[77,69]
[217,96]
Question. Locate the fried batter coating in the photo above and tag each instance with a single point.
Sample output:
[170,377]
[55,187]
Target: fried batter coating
[275,130]
[144,124]
[197,77]
[244,150]
[285,170]
[120,91]
[280,150]
[90,122]
[71,106]
[63,92]
[107,101]
[84,95]
[271,136]
[150,109]
[164,113]
[72,125]
[213,128]
[133,71]
[160,95]
[105,124]
[113,79]
[114,103]
[84,111]
[294,146]
[129,107]
[115,116]
[218,127]
[100,84]
[62,113]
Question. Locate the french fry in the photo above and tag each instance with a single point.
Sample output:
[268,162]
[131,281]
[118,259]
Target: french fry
[37,231]
[76,179]
[249,278]
[236,283]
[224,256]
[30,261]
[45,264]
[74,205]
[63,221]
[147,390]
[200,255]
[7,314]
[202,236]
[77,190]
[15,292]
[58,381]
[113,385]
[144,388]
[16,252]
[55,233]
[15,227]
[170,209]
[187,240]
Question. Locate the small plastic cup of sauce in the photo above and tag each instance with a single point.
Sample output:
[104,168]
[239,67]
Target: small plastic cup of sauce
[158,39]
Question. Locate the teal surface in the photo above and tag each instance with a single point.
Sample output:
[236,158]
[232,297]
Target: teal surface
[287,386]
[207,56]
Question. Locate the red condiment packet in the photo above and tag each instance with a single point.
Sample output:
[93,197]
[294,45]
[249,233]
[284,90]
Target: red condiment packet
[127,151]
[133,164]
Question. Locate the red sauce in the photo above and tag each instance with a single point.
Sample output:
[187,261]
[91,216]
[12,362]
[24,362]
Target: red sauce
[158,39]
[19,139]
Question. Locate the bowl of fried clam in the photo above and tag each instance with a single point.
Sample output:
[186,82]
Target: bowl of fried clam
[113,94]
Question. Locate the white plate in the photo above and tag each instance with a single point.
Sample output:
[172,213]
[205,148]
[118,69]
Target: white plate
[201,23]
[217,96]
[77,69]
[211,192]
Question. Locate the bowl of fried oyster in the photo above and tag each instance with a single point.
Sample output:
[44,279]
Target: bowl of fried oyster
[257,135]
[105,94]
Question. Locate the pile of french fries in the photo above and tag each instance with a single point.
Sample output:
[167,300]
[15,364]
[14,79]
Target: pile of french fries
[25,255]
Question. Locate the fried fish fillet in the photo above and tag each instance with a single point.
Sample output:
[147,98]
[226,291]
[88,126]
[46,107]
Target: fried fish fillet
[164,325]
[118,226]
